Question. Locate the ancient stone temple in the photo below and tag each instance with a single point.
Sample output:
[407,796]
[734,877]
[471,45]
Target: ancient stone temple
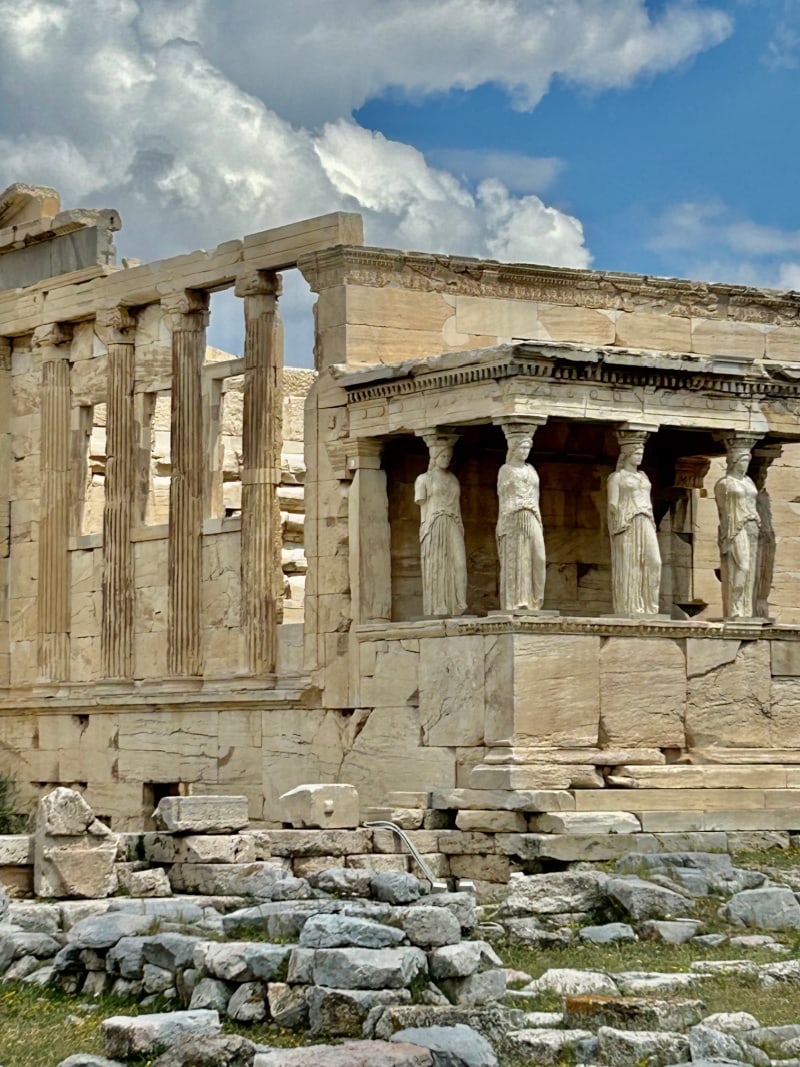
[549,534]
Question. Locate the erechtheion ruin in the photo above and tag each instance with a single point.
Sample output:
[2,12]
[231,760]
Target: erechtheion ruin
[537,533]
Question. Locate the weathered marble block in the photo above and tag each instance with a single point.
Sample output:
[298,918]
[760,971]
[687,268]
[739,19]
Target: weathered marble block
[321,806]
[202,814]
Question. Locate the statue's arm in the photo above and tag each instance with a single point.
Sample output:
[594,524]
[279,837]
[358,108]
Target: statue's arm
[420,490]
[612,490]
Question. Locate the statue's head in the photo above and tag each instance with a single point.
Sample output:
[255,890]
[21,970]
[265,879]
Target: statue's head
[519,444]
[440,449]
[738,460]
[631,448]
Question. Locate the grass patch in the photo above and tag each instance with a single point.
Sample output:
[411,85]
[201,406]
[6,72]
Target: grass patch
[41,1027]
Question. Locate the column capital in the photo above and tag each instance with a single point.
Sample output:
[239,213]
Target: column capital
[519,423]
[364,453]
[690,471]
[736,440]
[52,335]
[116,325]
[187,309]
[258,283]
[633,433]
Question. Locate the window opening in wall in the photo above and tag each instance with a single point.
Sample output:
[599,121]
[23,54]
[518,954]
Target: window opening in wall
[153,793]
[88,465]
[225,334]
[230,444]
[156,457]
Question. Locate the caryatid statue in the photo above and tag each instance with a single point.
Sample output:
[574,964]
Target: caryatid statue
[763,458]
[635,555]
[441,531]
[520,540]
[739,527]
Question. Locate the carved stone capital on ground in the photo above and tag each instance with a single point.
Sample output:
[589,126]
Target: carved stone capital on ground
[258,283]
[116,325]
[50,336]
[186,309]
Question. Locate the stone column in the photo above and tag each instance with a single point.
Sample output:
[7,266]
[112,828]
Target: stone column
[53,601]
[763,458]
[5,504]
[369,535]
[262,435]
[119,328]
[188,315]
[690,473]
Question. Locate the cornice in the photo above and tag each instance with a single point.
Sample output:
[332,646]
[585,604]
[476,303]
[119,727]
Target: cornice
[611,367]
[606,290]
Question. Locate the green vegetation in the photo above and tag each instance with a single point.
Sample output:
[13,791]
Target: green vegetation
[11,822]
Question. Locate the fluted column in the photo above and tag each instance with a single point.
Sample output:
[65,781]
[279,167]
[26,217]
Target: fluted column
[188,315]
[262,575]
[116,635]
[53,600]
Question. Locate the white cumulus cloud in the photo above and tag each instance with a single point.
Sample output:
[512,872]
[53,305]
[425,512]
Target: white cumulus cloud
[202,120]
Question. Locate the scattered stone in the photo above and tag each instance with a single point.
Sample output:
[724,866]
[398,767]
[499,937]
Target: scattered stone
[430,927]
[548,1048]
[248,1004]
[396,887]
[621,1048]
[88,1059]
[129,1036]
[708,1043]
[104,931]
[152,883]
[559,893]
[351,1054]
[333,931]
[362,968]
[568,981]
[632,1013]
[533,934]
[672,932]
[223,1050]
[210,993]
[486,987]
[342,881]
[287,1005]
[772,908]
[608,934]
[451,1046]
[241,961]
[343,1012]
[463,959]
[644,900]
[732,1022]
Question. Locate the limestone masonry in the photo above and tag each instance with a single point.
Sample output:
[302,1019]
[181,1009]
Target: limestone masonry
[205,591]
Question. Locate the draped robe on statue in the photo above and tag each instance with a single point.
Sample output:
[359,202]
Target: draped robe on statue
[520,542]
[739,526]
[635,555]
[441,535]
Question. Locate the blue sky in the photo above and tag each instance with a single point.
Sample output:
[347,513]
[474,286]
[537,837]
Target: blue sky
[634,135]
[714,133]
